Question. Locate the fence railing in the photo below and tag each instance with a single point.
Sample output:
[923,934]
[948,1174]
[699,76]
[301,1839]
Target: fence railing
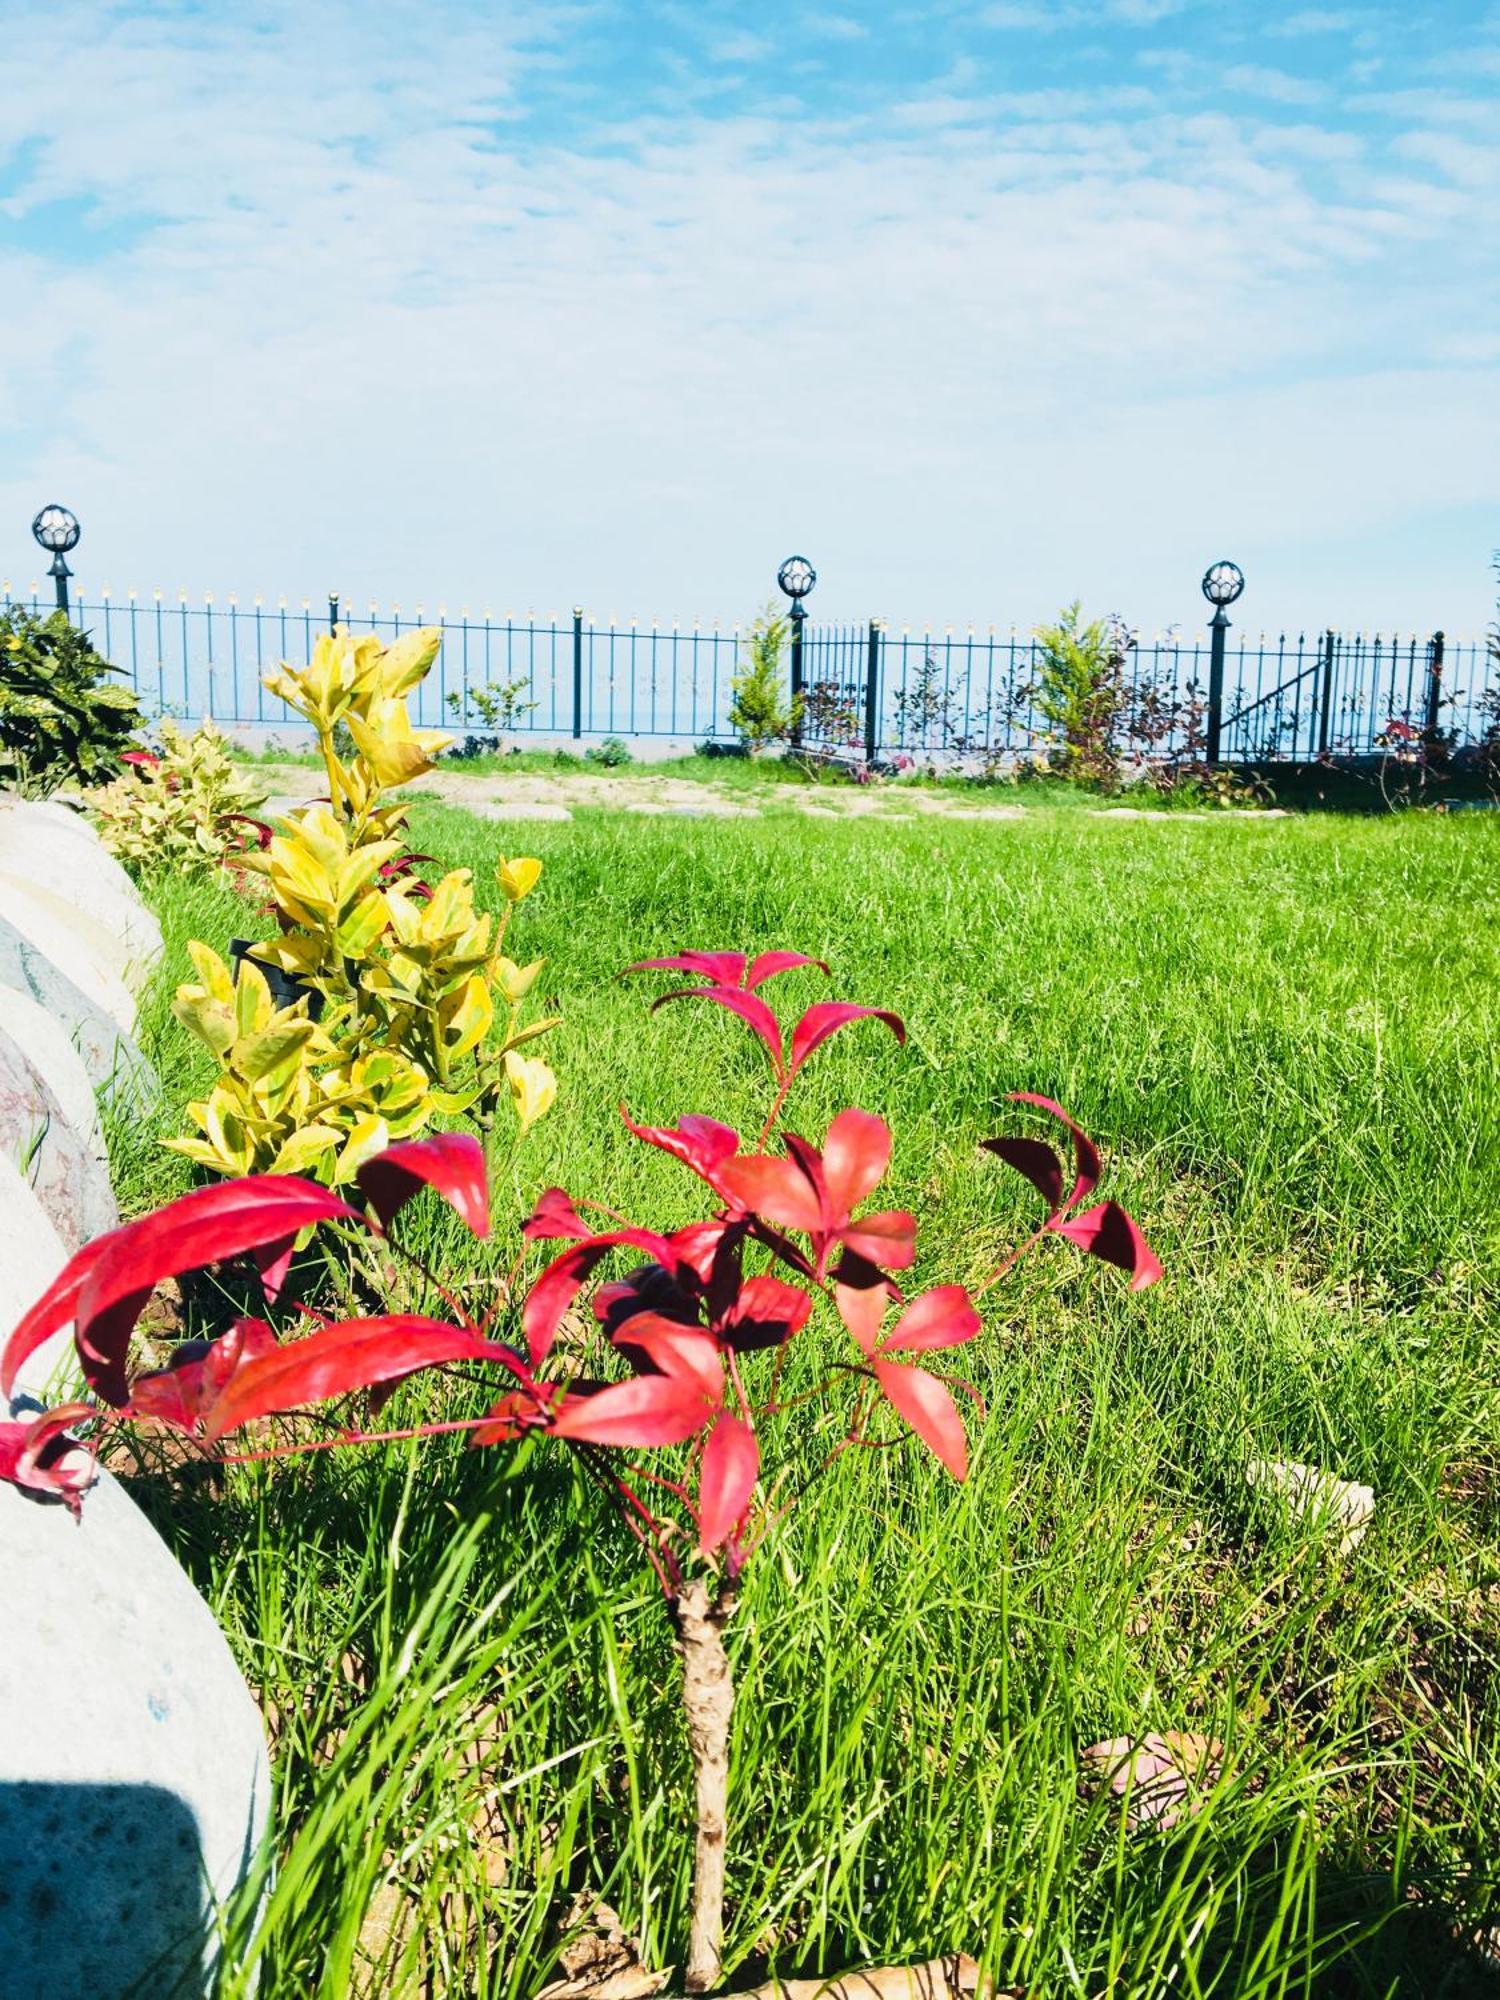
[868,688]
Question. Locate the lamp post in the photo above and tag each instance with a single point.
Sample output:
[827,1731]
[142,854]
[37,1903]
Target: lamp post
[1222,584]
[796,578]
[57,529]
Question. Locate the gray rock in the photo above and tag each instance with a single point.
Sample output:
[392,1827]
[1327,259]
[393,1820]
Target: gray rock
[134,1781]
[114,1063]
[69,1176]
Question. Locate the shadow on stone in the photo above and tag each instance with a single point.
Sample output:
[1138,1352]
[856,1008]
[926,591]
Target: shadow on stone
[102,1892]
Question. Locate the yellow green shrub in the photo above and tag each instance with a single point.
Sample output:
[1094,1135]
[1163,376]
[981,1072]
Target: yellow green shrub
[408,1011]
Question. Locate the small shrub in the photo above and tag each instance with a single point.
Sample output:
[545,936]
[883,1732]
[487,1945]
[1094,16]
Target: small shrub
[185,808]
[1081,693]
[500,706]
[760,711]
[418,1009]
[63,721]
[611,753]
[693,1346]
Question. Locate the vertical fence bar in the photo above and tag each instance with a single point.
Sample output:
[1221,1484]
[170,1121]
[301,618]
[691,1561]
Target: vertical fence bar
[872,691]
[1435,647]
[577,671]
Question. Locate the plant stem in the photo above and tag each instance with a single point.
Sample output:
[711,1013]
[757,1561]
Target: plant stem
[708,1702]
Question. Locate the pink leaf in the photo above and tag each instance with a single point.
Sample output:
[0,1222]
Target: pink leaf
[721,968]
[1085,1152]
[553,1217]
[341,1358]
[750,1010]
[856,1154]
[731,1466]
[197,1373]
[776,1189]
[106,1284]
[922,1401]
[652,1410]
[563,1279]
[39,1455]
[515,1413]
[700,1143]
[862,1294]
[888,1238]
[826,1017]
[1108,1231]
[1036,1161]
[771,962]
[451,1162]
[943,1317]
[670,1347]
[766,1311]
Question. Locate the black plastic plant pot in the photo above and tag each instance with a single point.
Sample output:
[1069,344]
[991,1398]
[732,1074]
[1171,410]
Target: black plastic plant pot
[286,988]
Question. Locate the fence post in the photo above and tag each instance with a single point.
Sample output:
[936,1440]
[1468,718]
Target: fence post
[1218,625]
[872,692]
[1434,685]
[1325,703]
[577,670]
[798,616]
[333,612]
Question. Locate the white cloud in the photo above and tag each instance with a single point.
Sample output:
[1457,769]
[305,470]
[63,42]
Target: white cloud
[834,27]
[1043,342]
[1276,85]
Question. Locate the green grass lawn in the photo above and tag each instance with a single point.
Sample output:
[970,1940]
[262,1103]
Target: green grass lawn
[1284,1035]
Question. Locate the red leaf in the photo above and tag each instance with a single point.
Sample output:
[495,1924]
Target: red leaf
[340,1358]
[942,1317]
[1085,1152]
[826,1017]
[862,1294]
[726,1481]
[700,1143]
[671,1347]
[39,1455]
[451,1162]
[924,1403]
[53,1309]
[856,1154]
[1037,1161]
[751,1010]
[888,1238]
[555,1216]
[1109,1232]
[766,1311]
[197,1373]
[516,1412]
[722,968]
[104,1287]
[563,1279]
[771,962]
[777,1189]
[652,1410]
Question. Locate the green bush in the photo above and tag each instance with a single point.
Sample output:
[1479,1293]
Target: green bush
[613,751]
[62,720]
[1081,692]
[760,712]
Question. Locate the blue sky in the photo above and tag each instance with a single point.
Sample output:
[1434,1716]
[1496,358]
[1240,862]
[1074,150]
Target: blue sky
[982,304]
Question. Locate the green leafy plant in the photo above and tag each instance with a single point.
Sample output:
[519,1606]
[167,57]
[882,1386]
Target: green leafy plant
[62,719]
[409,1009]
[500,706]
[760,711]
[1081,692]
[186,808]
[611,753]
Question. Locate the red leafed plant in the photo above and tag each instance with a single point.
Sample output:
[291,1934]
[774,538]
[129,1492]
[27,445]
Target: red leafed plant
[697,1334]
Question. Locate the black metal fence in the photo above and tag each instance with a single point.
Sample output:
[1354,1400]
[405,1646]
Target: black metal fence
[871,690]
